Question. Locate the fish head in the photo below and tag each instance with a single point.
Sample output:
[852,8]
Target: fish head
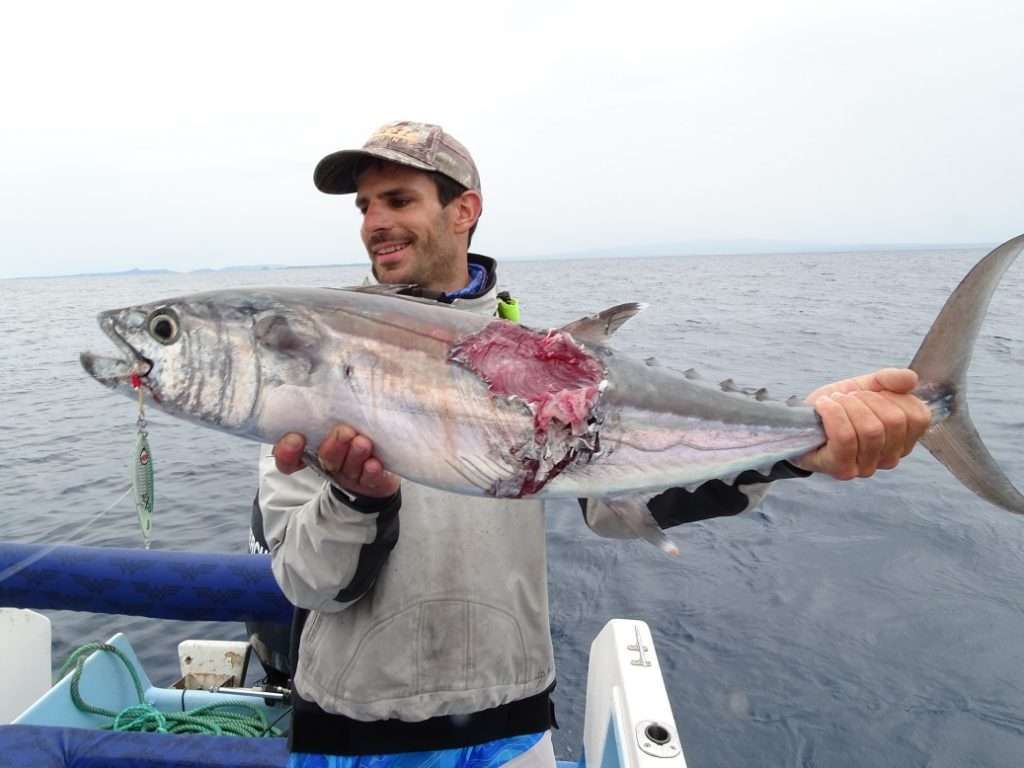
[193,356]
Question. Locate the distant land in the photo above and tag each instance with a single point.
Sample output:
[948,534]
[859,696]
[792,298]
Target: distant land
[232,268]
[656,250]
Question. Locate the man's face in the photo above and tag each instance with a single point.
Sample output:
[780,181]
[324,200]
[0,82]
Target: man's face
[410,238]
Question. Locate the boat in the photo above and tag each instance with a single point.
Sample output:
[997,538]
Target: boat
[628,721]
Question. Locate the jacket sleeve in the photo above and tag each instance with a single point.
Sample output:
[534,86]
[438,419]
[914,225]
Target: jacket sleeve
[327,547]
[714,498]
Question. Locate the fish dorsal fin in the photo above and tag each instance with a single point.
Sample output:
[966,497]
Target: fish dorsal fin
[597,329]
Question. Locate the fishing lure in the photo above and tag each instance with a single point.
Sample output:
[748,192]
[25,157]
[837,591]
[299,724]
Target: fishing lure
[142,470]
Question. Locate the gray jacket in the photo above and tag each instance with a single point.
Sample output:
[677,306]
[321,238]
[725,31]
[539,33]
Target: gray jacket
[456,620]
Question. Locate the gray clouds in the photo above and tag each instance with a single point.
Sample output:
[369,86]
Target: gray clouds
[185,136]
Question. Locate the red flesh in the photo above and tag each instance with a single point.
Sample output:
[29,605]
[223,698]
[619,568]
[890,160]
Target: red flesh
[551,372]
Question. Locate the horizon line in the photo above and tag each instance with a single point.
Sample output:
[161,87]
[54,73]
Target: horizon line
[697,248]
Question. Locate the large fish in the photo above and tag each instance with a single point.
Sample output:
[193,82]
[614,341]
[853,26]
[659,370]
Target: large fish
[482,406]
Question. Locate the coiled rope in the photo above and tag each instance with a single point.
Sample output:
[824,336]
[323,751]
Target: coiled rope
[225,719]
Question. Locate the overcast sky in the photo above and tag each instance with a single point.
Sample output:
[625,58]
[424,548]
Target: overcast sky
[184,135]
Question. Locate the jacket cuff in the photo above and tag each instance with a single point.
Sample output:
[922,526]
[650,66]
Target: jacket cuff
[715,498]
[367,505]
[372,556]
[783,470]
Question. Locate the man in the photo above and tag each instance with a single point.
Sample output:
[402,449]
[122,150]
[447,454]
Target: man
[438,639]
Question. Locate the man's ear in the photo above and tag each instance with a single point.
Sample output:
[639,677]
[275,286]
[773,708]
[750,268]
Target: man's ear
[468,207]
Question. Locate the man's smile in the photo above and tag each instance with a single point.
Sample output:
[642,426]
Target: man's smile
[389,253]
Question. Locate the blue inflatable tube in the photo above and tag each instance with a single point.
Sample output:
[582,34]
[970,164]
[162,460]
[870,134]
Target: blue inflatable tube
[47,747]
[160,584]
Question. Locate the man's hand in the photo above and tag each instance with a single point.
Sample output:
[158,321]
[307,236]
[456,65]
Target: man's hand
[347,456]
[871,422]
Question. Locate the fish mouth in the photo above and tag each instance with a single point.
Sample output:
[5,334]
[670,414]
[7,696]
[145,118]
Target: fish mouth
[115,371]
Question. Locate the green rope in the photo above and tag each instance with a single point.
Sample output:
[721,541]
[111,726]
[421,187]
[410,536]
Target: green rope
[226,719]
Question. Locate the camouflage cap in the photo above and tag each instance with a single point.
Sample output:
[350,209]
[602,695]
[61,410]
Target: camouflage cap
[416,145]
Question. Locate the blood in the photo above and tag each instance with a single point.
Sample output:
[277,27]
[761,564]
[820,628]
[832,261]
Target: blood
[550,371]
[533,481]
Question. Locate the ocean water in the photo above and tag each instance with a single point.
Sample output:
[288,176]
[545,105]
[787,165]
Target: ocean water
[876,622]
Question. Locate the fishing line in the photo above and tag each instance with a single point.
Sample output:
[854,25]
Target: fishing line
[36,556]
[141,487]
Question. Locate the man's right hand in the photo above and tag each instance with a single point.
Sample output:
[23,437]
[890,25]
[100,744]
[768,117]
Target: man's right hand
[344,454]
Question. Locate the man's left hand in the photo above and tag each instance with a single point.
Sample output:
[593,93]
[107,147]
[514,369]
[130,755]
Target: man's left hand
[871,422]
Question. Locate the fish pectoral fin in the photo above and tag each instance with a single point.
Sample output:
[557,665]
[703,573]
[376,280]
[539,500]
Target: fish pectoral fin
[628,517]
[597,329]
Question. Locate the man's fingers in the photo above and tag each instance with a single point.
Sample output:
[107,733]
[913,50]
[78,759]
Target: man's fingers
[333,451]
[838,457]
[346,455]
[870,433]
[918,416]
[288,453]
[894,424]
[920,419]
[829,389]
[898,380]
[360,449]
[374,476]
[839,387]
[371,474]
[377,481]
[870,421]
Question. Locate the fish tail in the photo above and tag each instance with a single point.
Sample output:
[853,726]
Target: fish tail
[941,364]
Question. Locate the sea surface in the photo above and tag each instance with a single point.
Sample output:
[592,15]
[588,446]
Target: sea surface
[876,622]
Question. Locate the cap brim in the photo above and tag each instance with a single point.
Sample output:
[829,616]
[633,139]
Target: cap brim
[335,174]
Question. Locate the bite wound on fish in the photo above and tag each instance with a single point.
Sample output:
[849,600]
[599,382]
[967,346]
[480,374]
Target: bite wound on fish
[558,380]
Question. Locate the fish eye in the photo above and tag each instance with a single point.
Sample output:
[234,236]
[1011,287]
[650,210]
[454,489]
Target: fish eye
[163,326]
